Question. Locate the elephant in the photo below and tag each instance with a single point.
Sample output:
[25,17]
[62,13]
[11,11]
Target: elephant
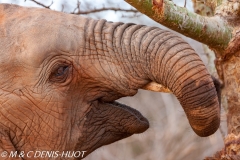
[61,75]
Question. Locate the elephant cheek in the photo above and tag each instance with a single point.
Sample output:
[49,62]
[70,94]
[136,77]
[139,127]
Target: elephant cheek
[109,122]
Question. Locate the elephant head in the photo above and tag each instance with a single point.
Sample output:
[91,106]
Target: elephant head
[61,74]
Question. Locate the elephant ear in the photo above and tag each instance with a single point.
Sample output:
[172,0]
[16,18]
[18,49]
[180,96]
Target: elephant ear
[6,145]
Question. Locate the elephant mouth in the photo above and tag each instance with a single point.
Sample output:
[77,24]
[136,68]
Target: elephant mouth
[125,119]
[111,121]
[137,122]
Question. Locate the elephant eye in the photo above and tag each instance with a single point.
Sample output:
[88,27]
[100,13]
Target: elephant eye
[60,74]
[61,71]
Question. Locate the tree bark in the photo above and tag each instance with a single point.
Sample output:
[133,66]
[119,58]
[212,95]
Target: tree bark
[212,31]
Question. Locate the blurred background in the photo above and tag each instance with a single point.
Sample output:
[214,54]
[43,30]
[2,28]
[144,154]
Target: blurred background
[169,137]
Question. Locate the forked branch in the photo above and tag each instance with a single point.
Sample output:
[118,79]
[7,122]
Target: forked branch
[41,4]
[78,11]
[185,22]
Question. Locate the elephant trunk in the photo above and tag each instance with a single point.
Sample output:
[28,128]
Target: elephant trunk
[149,54]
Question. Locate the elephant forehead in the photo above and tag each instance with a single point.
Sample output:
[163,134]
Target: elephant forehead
[35,47]
[40,42]
[32,34]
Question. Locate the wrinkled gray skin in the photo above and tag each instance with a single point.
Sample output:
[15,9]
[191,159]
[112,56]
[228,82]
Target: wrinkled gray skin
[61,73]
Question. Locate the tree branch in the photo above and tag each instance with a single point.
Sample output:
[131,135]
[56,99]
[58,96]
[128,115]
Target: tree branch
[41,4]
[210,4]
[212,31]
[78,11]
[104,9]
